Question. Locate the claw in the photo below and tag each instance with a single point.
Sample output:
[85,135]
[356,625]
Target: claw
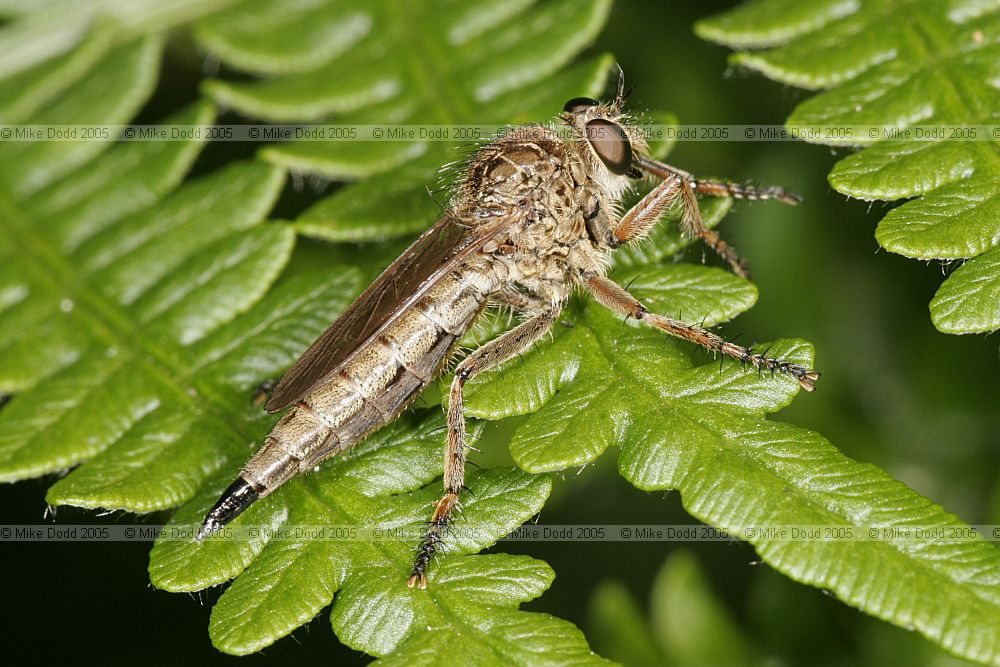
[807,380]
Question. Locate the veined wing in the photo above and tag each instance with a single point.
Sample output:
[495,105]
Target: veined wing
[420,267]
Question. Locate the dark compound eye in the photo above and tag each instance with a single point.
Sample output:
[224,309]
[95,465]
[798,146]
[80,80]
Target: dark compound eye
[578,104]
[611,145]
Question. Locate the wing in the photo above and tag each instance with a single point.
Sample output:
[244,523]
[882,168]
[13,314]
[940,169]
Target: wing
[433,255]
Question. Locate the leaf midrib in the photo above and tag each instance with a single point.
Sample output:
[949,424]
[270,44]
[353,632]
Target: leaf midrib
[111,323]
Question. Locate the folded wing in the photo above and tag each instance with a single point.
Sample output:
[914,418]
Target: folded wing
[438,251]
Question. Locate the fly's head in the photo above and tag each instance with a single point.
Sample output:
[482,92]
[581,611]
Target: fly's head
[608,141]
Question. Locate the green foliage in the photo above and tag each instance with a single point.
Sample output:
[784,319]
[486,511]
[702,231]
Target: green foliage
[283,583]
[138,317]
[898,64]
[139,312]
[687,623]
[110,92]
[489,63]
[702,431]
[57,39]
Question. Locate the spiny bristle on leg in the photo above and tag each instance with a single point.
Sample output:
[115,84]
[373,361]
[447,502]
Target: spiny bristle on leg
[806,377]
[432,541]
[425,552]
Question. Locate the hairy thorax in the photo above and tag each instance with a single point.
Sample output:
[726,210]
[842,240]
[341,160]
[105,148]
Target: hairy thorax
[538,182]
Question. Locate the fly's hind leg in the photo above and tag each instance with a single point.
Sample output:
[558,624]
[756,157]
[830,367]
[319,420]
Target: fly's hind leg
[612,295]
[490,355]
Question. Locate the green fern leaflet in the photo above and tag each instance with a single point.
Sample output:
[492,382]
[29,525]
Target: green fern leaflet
[899,64]
[141,303]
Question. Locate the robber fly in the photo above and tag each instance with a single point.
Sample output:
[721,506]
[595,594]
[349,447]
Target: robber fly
[536,216]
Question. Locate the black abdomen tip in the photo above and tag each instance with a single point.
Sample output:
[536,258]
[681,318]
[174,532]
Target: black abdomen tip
[231,503]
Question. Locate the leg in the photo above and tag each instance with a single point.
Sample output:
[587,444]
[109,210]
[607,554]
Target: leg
[692,223]
[713,188]
[488,356]
[519,301]
[262,392]
[641,218]
[612,295]
[686,187]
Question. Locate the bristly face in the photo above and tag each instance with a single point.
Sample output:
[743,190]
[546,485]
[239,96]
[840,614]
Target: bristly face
[609,141]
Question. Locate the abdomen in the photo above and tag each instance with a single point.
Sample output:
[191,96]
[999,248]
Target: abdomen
[374,386]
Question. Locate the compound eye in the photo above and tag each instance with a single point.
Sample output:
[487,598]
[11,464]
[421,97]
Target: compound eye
[611,144]
[578,104]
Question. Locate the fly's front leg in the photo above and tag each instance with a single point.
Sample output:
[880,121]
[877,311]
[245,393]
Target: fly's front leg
[612,295]
[691,221]
[490,355]
[641,218]
[748,191]
[716,188]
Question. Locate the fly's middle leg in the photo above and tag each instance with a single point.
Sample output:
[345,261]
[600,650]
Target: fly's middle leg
[490,355]
[612,295]
[639,220]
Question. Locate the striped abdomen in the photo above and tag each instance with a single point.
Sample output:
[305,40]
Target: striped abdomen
[369,391]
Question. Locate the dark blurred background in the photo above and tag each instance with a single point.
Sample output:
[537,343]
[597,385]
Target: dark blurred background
[895,392]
